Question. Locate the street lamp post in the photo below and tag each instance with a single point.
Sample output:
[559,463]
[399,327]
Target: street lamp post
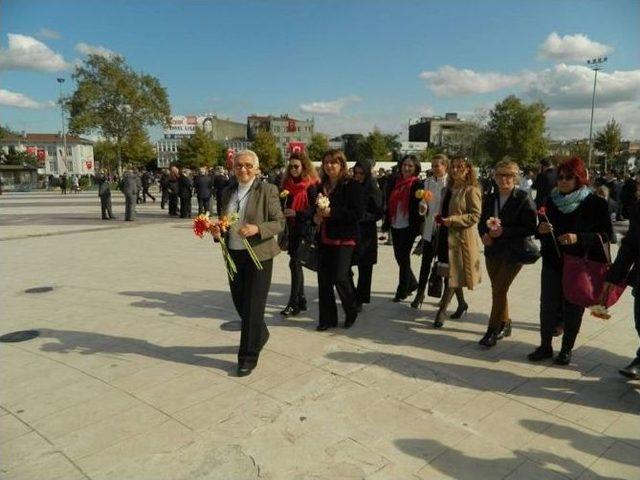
[596,65]
[64,134]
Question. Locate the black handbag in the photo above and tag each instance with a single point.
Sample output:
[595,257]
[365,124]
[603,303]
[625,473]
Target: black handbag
[525,252]
[435,282]
[307,252]
[283,238]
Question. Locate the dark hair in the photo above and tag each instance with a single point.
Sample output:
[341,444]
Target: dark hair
[575,166]
[338,155]
[545,162]
[416,163]
[308,169]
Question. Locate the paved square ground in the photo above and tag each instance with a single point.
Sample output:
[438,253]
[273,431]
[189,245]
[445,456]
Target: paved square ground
[132,376]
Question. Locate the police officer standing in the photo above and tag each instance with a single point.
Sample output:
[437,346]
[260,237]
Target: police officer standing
[104,192]
[129,187]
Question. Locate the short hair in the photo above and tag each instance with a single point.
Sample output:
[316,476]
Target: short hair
[507,164]
[545,162]
[336,154]
[602,191]
[575,166]
[413,159]
[440,158]
[247,153]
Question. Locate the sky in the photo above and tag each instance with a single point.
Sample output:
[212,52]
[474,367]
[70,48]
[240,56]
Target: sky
[351,65]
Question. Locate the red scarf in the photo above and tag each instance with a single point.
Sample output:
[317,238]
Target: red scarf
[400,196]
[297,199]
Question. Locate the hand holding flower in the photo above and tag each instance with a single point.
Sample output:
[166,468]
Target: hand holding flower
[497,232]
[487,241]
[248,230]
[545,228]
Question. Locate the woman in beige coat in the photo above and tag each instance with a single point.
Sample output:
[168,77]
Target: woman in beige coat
[458,246]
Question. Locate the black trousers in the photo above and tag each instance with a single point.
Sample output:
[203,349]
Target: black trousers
[204,205]
[219,204]
[402,243]
[130,207]
[425,265]
[173,204]
[334,268]
[296,296]
[555,310]
[185,207]
[165,199]
[249,290]
[363,289]
[636,315]
[145,193]
[105,205]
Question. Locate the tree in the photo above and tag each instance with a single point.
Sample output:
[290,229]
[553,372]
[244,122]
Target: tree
[112,99]
[516,130]
[105,154]
[318,147]
[265,146]
[16,157]
[137,149]
[199,150]
[608,141]
[579,149]
[378,146]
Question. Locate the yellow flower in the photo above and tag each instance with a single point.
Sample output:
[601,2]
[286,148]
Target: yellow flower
[419,194]
[284,193]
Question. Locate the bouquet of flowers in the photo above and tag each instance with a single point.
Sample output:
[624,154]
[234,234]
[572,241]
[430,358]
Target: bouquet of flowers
[493,223]
[322,202]
[542,211]
[424,195]
[203,224]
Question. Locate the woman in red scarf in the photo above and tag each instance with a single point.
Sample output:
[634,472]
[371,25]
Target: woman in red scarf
[299,191]
[406,223]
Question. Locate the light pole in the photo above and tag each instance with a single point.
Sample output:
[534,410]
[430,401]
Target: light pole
[596,65]
[64,134]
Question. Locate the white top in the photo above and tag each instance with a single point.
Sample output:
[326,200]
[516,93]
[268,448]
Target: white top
[526,184]
[401,220]
[435,186]
[238,204]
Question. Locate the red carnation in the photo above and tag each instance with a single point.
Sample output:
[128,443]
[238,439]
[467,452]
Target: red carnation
[542,211]
[201,225]
[438,219]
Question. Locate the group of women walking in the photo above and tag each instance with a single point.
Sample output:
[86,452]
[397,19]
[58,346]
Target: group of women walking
[335,216]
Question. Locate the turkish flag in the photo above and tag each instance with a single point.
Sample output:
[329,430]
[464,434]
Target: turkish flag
[42,155]
[296,147]
[230,153]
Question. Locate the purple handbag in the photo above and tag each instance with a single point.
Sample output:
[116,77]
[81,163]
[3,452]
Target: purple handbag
[583,280]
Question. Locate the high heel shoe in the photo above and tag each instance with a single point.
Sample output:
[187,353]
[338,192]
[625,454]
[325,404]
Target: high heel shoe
[505,331]
[461,310]
[290,311]
[417,302]
[439,321]
[490,338]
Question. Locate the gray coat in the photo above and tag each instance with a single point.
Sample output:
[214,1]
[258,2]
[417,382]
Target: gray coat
[264,210]
[130,184]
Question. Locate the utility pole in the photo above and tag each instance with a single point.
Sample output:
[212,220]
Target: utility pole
[64,134]
[596,65]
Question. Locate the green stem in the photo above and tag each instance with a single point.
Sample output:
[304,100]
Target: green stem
[252,254]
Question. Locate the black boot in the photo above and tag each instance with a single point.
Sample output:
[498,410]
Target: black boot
[490,338]
[302,303]
[442,311]
[563,358]
[540,353]
[417,302]
[462,305]
[632,370]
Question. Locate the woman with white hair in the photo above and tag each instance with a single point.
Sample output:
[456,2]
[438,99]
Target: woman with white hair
[260,219]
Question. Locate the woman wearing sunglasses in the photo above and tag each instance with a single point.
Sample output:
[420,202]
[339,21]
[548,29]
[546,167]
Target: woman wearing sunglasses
[299,191]
[575,223]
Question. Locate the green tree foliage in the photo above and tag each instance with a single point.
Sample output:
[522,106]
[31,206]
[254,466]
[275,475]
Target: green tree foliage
[16,157]
[6,131]
[105,154]
[516,129]
[199,150]
[137,149]
[318,147]
[112,99]
[608,141]
[266,147]
[378,146]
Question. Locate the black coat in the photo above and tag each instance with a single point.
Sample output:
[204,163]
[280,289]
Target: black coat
[517,218]
[219,182]
[203,185]
[301,227]
[544,183]
[589,220]
[103,185]
[367,250]
[627,263]
[185,185]
[347,208]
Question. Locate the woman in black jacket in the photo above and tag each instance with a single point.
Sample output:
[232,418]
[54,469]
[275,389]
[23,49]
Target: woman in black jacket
[575,222]
[337,238]
[508,218]
[298,193]
[367,248]
[406,223]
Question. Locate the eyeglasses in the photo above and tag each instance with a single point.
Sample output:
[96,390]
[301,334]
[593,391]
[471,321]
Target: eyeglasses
[295,166]
[247,166]
[566,177]
[505,175]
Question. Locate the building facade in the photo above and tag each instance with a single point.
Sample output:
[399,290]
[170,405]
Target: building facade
[289,132]
[184,126]
[436,130]
[48,148]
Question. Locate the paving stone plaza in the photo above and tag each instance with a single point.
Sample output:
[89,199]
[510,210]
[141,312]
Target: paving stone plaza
[133,374]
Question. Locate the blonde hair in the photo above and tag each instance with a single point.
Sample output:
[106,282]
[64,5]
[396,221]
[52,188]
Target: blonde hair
[470,180]
[440,158]
[509,165]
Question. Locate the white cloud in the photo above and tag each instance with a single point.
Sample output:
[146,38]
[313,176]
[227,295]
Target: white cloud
[574,123]
[19,100]
[87,49]
[571,86]
[48,33]
[449,81]
[27,53]
[571,48]
[332,107]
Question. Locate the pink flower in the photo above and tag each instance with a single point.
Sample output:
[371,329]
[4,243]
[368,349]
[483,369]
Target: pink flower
[494,223]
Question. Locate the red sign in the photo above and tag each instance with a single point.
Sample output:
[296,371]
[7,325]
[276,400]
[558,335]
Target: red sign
[291,126]
[42,156]
[296,147]
[88,164]
[192,120]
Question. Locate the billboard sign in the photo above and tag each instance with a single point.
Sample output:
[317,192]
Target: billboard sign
[183,125]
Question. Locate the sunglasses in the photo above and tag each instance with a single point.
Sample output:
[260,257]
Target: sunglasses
[295,167]
[566,177]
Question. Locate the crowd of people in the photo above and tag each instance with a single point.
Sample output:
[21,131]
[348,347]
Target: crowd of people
[326,221]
